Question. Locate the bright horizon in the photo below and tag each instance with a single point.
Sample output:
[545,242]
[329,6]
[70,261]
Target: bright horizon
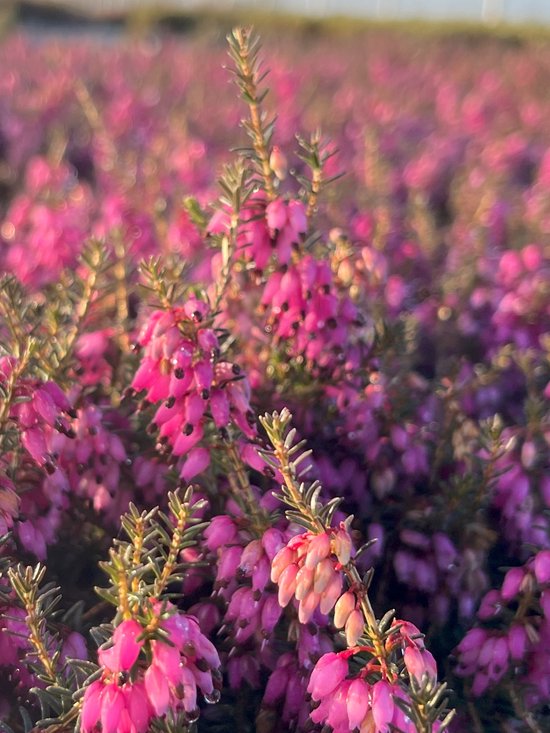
[512,11]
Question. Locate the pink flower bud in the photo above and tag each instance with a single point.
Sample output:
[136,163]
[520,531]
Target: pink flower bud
[304,582]
[327,675]
[158,691]
[517,641]
[112,705]
[125,638]
[276,686]
[491,603]
[234,608]
[342,546]
[198,459]
[344,606]
[357,702]
[297,216]
[287,584]
[281,561]
[220,531]
[354,627]
[319,548]
[419,663]
[261,573]
[252,458]
[219,407]
[91,706]
[307,606]
[168,660]
[229,563]
[184,443]
[45,406]
[251,555]
[195,309]
[138,706]
[499,661]
[34,442]
[204,374]
[512,583]
[322,575]
[125,650]
[542,567]
[271,613]
[272,542]
[337,716]
[276,214]
[480,684]
[195,407]
[57,395]
[278,162]
[331,593]
[207,339]
[486,652]
[382,704]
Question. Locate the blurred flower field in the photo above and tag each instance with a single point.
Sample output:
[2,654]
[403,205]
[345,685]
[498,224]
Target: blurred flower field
[198,277]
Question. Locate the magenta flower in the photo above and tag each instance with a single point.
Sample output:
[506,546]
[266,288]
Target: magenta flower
[327,675]
[126,647]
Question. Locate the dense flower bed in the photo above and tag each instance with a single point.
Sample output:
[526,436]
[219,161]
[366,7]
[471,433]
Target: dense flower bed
[151,314]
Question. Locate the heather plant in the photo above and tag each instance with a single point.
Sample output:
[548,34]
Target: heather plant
[169,331]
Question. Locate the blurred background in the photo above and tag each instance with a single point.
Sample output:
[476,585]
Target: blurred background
[485,11]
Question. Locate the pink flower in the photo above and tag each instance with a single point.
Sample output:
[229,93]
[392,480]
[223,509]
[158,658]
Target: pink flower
[113,703]
[327,675]
[157,689]
[420,663]
[91,706]
[357,702]
[382,705]
[126,648]
[542,567]
[124,709]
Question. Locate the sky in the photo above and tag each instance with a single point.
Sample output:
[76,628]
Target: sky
[510,10]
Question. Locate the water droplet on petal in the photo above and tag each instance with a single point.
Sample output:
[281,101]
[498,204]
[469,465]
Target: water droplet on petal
[213,697]
[193,715]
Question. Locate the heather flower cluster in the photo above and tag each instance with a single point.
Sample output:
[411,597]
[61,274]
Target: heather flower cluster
[126,700]
[305,569]
[354,702]
[182,367]
[513,633]
[43,409]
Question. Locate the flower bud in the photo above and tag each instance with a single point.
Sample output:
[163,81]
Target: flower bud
[307,606]
[382,704]
[281,561]
[278,163]
[357,702]
[221,531]
[318,549]
[331,594]
[354,627]
[198,459]
[304,582]
[287,584]
[323,575]
[344,606]
[329,672]
[342,546]
[542,567]
[512,583]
